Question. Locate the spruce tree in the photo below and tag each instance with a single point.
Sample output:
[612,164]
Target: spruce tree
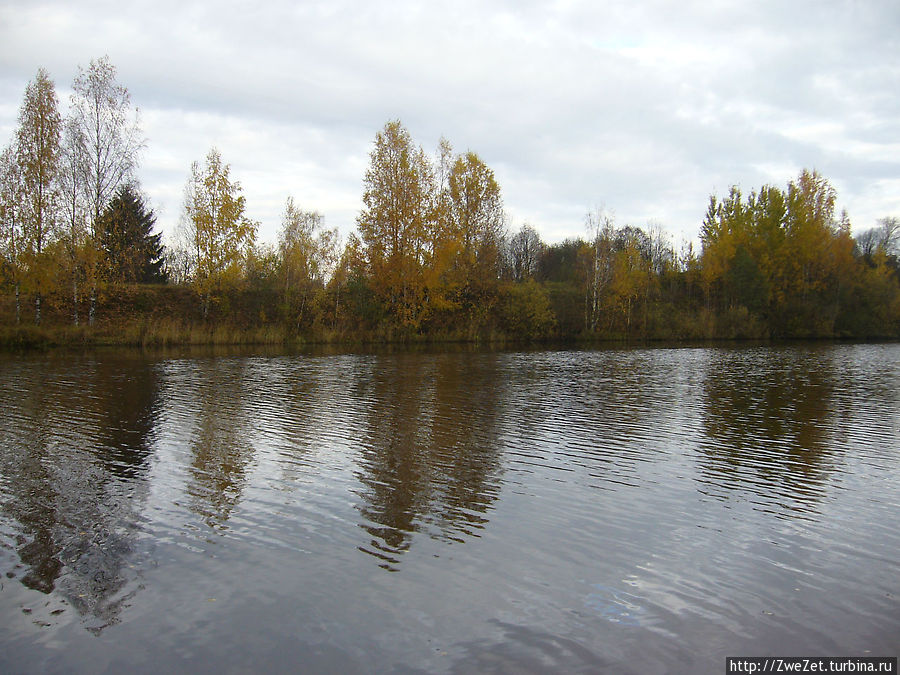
[133,253]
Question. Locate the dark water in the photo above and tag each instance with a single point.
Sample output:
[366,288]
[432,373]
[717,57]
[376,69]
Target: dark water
[612,511]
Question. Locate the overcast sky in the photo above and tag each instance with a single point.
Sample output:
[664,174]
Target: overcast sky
[645,107]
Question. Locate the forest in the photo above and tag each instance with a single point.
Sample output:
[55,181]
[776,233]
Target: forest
[432,257]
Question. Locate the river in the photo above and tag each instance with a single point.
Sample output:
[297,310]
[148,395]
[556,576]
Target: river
[624,510]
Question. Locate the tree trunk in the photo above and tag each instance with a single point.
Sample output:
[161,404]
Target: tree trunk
[337,303]
[628,317]
[75,299]
[595,291]
[302,310]
[587,310]
[18,306]
[93,306]
[37,309]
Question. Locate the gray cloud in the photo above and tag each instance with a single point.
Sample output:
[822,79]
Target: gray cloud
[647,107]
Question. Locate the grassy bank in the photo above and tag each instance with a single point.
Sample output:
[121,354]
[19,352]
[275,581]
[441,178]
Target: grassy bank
[172,316]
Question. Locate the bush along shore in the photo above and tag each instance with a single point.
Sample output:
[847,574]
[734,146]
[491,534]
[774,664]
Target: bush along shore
[144,315]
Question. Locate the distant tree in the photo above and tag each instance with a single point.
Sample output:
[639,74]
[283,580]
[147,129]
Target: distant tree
[871,307]
[180,263]
[219,233]
[780,253]
[525,311]
[746,284]
[262,267]
[629,275]
[524,253]
[132,251]
[354,299]
[559,263]
[815,258]
[441,247]
[443,165]
[307,253]
[884,238]
[601,227]
[890,235]
[722,228]
[662,255]
[744,241]
[867,242]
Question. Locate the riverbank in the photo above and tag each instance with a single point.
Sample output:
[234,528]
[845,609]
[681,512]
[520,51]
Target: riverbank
[168,335]
[149,316]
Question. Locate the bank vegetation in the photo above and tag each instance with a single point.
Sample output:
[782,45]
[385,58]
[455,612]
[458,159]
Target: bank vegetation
[432,257]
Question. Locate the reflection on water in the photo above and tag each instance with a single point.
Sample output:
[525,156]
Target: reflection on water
[77,439]
[623,510]
[421,467]
[220,449]
[766,425]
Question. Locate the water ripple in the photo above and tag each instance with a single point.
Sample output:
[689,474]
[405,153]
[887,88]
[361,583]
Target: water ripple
[635,503]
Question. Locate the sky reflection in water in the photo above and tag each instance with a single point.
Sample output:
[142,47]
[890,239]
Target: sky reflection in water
[629,509]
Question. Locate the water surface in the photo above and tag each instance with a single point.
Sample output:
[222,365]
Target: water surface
[643,510]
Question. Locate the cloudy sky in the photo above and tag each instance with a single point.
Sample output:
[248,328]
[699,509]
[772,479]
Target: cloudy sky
[644,107]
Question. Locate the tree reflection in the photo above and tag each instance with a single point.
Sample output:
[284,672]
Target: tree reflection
[765,421]
[598,414]
[74,454]
[128,416]
[221,449]
[430,452]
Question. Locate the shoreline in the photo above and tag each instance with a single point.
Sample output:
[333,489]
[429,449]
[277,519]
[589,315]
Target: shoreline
[32,338]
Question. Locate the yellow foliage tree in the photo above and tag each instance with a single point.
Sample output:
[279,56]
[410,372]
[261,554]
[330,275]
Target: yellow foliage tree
[11,231]
[396,222]
[475,227]
[629,273]
[219,232]
[37,156]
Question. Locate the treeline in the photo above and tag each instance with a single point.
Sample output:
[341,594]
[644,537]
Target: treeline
[432,256]
[71,213]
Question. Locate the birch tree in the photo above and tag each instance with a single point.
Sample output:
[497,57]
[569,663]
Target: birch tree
[73,210]
[601,226]
[109,133]
[307,253]
[219,232]
[108,136]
